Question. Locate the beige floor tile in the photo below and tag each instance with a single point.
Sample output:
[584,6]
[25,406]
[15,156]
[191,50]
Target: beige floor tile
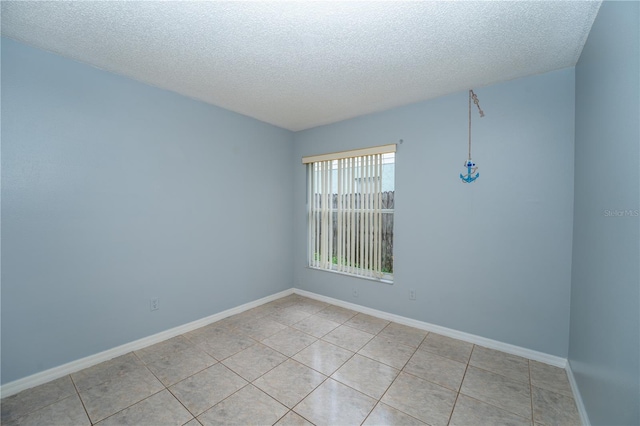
[258,312]
[254,361]
[230,323]
[159,409]
[206,331]
[316,326]
[205,389]
[163,349]
[289,316]
[367,323]
[280,303]
[384,414]
[67,411]
[406,335]
[242,318]
[512,366]
[33,399]
[447,347]
[289,341]
[260,329]
[387,351]
[333,403]
[248,406]
[180,365]
[469,411]
[550,378]
[225,324]
[287,300]
[439,370]
[290,382]
[551,408]
[309,305]
[115,395]
[222,344]
[348,338]
[293,419]
[498,390]
[336,314]
[106,371]
[263,310]
[421,399]
[323,357]
[370,377]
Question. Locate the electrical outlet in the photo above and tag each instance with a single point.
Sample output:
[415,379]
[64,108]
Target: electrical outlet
[355,293]
[412,294]
[154,304]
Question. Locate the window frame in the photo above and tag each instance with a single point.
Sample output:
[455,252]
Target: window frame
[325,210]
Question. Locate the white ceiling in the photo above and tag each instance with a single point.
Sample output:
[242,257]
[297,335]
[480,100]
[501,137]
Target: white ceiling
[302,64]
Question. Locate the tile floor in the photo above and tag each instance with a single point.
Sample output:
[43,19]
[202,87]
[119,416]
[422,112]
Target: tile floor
[298,361]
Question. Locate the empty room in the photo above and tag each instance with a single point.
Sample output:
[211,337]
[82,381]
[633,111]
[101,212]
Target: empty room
[320,213]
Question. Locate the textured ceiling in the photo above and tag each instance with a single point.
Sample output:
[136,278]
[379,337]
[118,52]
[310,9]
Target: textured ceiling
[302,64]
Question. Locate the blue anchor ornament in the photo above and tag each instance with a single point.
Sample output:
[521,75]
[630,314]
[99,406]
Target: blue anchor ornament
[471,169]
[470,165]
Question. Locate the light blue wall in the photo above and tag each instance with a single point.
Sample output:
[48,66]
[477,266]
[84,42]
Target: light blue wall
[492,258]
[604,349]
[111,195]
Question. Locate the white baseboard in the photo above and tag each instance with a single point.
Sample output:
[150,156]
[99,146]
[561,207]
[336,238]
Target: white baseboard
[42,377]
[577,397]
[471,338]
[19,385]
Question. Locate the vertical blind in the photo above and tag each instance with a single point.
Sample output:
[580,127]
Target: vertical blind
[345,211]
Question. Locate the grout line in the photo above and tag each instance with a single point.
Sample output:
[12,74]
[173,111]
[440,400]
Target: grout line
[489,403]
[80,398]
[401,370]
[496,372]
[374,407]
[223,365]
[530,392]
[129,406]
[429,381]
[498,408]
[228,396]
[283,416]
[185,407]
[475,398]
[31,411]
[458,392]
[499,374]
[166,387]
[301,416]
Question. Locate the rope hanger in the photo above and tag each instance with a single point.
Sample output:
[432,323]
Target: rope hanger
[469,164]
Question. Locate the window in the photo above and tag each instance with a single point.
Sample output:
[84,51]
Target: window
[350,202]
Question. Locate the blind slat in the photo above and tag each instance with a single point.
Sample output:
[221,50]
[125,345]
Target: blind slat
[345,215]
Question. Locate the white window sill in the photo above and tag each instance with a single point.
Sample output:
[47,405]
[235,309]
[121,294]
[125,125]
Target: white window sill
[387,279]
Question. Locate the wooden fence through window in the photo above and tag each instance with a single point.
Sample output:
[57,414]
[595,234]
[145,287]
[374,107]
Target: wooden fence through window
[386,227]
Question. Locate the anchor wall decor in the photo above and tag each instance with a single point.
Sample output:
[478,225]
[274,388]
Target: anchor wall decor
[469,164]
